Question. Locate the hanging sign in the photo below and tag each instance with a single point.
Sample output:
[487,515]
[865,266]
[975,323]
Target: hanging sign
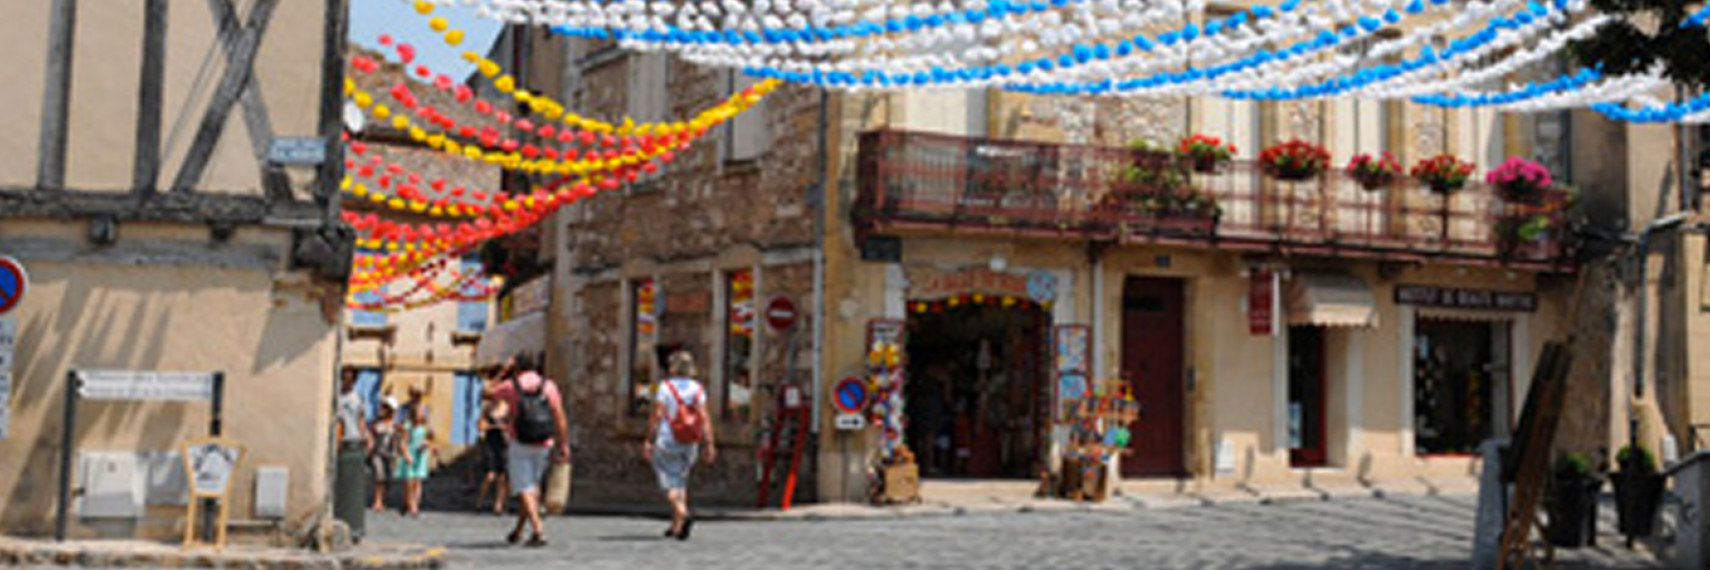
[13,281]
[1261,303]
[1471,299]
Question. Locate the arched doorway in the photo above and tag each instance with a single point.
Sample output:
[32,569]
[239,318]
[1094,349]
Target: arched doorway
[976,396]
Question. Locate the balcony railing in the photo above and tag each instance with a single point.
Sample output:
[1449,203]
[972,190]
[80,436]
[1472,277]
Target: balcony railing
[933,182]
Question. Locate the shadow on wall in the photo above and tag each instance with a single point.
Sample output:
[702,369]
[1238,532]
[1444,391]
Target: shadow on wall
[131,323]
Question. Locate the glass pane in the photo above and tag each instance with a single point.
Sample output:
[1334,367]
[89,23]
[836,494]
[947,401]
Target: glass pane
[739,341]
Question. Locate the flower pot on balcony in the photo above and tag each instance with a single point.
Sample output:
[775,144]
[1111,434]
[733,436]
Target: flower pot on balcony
[1521,193]
[1294,174]
[1374,183]
[1443,187]
[1206,164]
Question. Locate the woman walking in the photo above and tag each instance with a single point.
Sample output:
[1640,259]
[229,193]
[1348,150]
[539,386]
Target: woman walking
[414,450]
[678,430]
[383,456]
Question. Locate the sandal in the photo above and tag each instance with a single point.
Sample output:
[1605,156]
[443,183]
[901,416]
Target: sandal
[535,541]
[514,537]
[688,524]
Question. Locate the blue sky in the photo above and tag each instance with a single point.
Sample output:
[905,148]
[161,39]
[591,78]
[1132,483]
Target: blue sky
[370,18]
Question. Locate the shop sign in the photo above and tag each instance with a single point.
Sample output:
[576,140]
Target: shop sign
[928,284]
[1470,299]
[529,297]
[698,302]
[1261,304]
[138,385]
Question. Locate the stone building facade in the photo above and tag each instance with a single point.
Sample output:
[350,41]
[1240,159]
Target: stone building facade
[685,260]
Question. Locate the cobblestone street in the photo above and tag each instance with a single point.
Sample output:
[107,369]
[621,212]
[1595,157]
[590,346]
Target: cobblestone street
[1396,532]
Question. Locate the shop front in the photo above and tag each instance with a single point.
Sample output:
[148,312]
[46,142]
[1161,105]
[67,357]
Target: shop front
[979,394]
[1467,346]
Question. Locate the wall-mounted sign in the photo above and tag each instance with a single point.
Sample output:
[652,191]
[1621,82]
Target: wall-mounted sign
[881,248]
[1471,299]
[781,313]
[1262,303]
[300,151]
[8,340]
[13,281]
[529,297]
[850,396]
[926,284]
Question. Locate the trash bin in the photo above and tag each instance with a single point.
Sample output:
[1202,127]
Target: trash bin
[1692,530]
[350,488]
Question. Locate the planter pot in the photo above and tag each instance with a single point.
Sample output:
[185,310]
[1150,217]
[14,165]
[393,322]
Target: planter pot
[1572,506]
[1638,497]
[1374,184]
[1293,175]
[1443,188]
[1526,195]
[1205,164]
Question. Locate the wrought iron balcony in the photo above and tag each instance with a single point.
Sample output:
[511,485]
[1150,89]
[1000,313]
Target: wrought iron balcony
[921,182]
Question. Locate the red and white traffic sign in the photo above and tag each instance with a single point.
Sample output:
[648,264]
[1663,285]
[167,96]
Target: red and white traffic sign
[13,282]
[781,313]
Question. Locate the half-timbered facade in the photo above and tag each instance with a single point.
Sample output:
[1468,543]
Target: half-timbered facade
[162,177]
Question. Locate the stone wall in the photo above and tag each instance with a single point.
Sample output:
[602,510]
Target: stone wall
[687,230]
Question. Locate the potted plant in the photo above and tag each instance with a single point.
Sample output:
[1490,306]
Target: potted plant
[1294,160]
[1206,152]
[1374,172]
[1443,174]
[1571,500]
[1521,181]
[1638,491]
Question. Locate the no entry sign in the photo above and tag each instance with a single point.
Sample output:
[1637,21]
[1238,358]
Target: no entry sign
[13,281]
[781,313]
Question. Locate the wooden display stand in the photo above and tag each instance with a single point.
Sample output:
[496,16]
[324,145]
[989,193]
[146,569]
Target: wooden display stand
[209,465]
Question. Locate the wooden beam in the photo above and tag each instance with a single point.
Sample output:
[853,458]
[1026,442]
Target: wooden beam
[256,119]
[145,166]
[240,64]
[331,172]
[56,98]
[187,208]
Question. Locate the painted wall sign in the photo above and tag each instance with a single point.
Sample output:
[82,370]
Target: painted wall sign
[1472,299]
[1262,304]
[13,282]
[926,284]
[691,302]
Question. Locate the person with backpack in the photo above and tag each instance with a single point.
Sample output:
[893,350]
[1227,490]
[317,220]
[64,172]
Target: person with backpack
[677,431]
[538,431]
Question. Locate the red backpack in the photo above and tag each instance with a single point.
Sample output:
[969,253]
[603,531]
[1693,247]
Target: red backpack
[688,425]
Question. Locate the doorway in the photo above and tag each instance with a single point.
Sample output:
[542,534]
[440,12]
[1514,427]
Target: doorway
[974,396]
[1306,401]
[1152,365]
[1461,385]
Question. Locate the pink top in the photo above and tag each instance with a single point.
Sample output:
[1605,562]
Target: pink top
[506,392]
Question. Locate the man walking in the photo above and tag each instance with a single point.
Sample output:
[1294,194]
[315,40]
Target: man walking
[538,432]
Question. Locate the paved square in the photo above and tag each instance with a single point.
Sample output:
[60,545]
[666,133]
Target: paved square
[1406,532]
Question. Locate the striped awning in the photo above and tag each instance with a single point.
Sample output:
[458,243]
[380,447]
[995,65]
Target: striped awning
[1330,300]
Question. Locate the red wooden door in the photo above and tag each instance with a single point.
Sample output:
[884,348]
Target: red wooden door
[1152,354]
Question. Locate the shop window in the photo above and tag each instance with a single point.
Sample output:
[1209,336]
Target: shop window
[644,338]
[471,315]
[1460,385]
[465,409]
[739,344]
[368,318]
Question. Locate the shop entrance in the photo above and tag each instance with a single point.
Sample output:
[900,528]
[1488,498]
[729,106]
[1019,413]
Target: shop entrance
[1306,388]
[1460,385]
[1152,355]
[975,394]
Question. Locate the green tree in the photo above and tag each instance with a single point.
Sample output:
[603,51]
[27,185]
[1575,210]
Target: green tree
[1624,47]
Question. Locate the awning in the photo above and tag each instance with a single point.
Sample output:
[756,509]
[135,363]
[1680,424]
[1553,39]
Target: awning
[1330,300]
[504,340]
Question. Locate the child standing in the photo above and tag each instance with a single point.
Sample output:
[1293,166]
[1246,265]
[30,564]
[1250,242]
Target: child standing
[414,453]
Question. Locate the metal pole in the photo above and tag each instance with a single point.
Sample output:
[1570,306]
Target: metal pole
[821,194]
[218,405]
[67,440]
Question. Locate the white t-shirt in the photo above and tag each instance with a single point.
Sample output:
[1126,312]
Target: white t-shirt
[691,393]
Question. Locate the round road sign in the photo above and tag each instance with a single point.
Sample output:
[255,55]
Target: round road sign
[13,282]
[850,395]
[781,313]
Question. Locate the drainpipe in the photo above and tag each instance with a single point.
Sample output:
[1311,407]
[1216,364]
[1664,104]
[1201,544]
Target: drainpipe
[818,198]
[1641,302]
